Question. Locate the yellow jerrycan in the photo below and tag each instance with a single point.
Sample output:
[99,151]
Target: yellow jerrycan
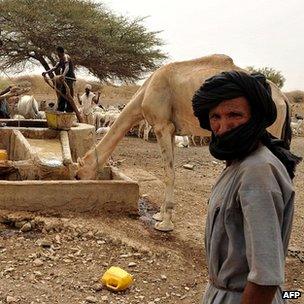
[116,279]
[3,155]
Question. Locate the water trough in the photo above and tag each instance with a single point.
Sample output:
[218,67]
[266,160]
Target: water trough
[38,175]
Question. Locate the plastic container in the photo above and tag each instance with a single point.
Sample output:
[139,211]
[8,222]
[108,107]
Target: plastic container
[117,279]
[60,120]
[3,155]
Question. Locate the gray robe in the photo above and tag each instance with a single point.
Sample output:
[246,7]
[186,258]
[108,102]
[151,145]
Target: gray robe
[248,227]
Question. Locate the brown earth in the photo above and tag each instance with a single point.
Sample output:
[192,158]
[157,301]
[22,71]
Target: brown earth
[62,256]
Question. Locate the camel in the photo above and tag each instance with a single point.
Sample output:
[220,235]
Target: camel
[165,101]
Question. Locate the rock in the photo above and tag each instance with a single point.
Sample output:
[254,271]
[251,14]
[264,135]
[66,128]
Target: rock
[104,298]
[163,277]
[10,299]
[38,262]
[188,166]
[91,299]
[19,224]
[97,286]
[26,227]
[132,264]
[57,239]
[127,255]
[67,261]
[10,269]
[45,243]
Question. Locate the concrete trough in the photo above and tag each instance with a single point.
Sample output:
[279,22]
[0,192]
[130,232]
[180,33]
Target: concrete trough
[119,194]
[39,185]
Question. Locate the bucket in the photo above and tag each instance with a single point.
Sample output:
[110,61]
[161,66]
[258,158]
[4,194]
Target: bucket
[60,120]
[116,279]
[3,155]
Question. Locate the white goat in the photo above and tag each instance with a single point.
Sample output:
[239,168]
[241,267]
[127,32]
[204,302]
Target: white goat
[181,141]
[296,126]
[27,106]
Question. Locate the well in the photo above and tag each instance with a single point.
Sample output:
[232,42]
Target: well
[38,175]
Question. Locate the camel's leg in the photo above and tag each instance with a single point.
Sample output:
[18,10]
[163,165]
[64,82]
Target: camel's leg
[140,126]
[193,140]
[164,134]
[147,130]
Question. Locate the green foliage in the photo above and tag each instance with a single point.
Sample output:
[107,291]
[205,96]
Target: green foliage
[109,46]
[270,73]
[4,83]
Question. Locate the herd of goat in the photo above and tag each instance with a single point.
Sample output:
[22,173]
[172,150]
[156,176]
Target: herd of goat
[28,108]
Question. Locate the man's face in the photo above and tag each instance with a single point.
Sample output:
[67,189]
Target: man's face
[229,114]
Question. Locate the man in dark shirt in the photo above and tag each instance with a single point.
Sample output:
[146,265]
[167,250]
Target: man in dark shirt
[4,111]
[66,69]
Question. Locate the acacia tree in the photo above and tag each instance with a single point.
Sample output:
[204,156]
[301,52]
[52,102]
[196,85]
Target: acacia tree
[109,46]
[270,73]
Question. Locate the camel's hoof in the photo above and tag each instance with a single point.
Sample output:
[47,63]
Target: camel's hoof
[164,226]
[158,216]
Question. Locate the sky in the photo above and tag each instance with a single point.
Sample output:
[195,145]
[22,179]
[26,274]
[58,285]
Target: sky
[260,33]
[253,33]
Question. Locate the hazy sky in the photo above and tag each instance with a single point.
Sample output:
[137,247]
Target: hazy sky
[259,33]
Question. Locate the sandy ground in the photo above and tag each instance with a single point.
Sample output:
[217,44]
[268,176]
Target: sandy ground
[60,258]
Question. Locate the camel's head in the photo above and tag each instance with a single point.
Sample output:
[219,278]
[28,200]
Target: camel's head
[86,168]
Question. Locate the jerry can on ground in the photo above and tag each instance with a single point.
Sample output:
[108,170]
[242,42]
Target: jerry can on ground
[116,279]
[3,155]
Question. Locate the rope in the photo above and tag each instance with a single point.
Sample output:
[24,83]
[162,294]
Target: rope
[97,159]
[66,96]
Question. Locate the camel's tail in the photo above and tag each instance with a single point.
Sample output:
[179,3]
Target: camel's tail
[286,131]
[130,116]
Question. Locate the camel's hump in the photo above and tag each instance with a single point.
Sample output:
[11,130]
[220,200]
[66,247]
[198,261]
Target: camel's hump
[215,59]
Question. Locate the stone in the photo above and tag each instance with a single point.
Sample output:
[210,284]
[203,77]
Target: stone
[57,239]
[132,264]
[44,243]
[19,224]
[91,299]
[38,262]
[188,167]
[97,286]
[127,255]
[26,227]
[163,277]
[10,299]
